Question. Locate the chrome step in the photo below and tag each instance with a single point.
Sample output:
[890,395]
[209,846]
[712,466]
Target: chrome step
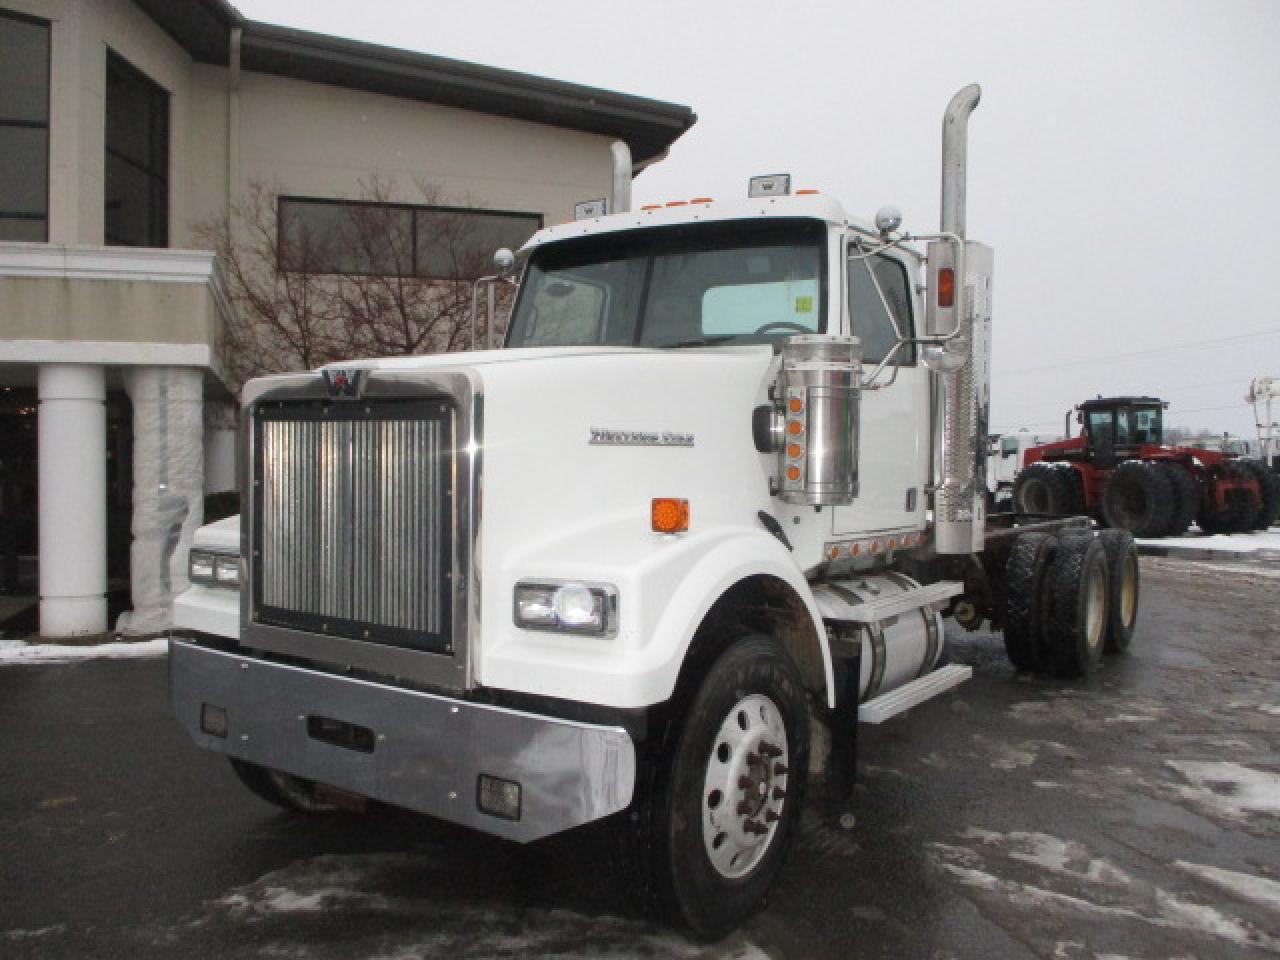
[913,694]
[896,604]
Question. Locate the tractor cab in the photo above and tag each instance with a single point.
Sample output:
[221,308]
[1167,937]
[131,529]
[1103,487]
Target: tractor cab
[1116,428]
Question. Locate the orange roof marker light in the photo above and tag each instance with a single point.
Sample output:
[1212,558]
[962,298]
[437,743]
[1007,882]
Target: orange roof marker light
[806,192]
[669,515]
[702,200]
[652,206]
[677,203]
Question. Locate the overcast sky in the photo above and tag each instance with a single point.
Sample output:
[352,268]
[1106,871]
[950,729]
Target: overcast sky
[1123,163]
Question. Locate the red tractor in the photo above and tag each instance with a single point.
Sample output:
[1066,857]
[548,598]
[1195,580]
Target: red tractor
[1119,471]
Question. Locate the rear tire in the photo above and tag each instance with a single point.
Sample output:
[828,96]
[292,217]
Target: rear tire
[1186,498]
[1024,575]
[1048,488]
[717,846]
[1123,585]
[1076,618]
[1138,497]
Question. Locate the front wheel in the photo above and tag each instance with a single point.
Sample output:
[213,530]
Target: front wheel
[733,787]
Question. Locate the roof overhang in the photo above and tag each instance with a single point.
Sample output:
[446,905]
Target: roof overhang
[202,28]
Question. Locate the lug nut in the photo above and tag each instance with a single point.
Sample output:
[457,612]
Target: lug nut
[779,769]
[744,808]
[745,782]
[754,826]
[753,758]
[771,817]
[769,750]
[779,793]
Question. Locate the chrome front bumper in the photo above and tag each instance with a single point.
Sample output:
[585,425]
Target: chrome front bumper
[427,751]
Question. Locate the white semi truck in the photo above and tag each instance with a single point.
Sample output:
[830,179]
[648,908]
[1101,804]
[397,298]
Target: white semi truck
[657,558]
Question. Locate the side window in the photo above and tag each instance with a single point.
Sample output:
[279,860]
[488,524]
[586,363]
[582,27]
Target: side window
[1100,431]
[868,319]
[1008,446]
[566,312]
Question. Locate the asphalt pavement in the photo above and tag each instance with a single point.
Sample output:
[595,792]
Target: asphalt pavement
[1135,814]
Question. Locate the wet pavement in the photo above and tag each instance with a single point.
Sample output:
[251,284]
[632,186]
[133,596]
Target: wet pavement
[1135,814]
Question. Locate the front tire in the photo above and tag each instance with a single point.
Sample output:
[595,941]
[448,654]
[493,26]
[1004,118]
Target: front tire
[1139,497]
[733,788]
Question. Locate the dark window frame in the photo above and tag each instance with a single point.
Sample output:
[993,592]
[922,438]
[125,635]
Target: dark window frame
[156,168]
[47,25]
[412,209]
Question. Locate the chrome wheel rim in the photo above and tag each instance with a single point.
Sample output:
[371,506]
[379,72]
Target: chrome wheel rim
[745,786]
[1096,611]
[1129,591]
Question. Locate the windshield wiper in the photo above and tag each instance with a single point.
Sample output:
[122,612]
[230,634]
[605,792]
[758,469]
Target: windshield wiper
[698,341]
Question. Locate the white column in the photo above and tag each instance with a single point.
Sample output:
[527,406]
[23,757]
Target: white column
[72,462]
[168,504]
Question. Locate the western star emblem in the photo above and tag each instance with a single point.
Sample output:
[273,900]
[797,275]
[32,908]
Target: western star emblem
[344,383]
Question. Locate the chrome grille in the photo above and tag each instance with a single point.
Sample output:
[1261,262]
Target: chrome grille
[351,520]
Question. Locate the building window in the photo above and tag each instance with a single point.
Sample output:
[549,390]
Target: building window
[398,240]
[137,165]
[24,128]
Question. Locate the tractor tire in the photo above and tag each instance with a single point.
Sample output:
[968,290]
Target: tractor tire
[727,799]
[1024,581]
[1138,497]
[1238,513]
[1269,487]
[1186,498]
[1123,584]
[1075,625]
[1047,488]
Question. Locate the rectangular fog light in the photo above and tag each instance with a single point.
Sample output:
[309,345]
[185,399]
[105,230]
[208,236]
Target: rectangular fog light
[213,720]
[498,798]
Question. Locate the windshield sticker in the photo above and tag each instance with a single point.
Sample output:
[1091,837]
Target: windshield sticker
[804,304]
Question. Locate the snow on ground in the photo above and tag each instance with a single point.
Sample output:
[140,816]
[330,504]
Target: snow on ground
[1046,877]
[1259,890]
[1262,545]
[15,651]
[396,906]
[1231,790]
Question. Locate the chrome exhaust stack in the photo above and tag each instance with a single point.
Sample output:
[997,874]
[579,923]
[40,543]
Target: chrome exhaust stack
[620,199]
[961,422]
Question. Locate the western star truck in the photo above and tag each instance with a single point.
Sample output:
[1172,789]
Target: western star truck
[656,559]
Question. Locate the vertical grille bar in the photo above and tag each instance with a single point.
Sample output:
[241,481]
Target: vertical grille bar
[352,538]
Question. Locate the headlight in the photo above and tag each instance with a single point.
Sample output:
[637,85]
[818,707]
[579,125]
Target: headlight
[226,571]
[570,607]
[219,569]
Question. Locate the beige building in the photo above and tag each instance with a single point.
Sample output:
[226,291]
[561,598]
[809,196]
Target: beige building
[123,125]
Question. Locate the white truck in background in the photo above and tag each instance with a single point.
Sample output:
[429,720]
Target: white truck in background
[1004,461]
[710,501]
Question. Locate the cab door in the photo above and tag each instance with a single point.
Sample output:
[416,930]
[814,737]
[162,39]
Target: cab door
[893,449]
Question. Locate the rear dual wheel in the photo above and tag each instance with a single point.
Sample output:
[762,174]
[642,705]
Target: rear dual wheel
[1068,598]
[1269,493]
[1186,498]
[1234,509]
[1048,488]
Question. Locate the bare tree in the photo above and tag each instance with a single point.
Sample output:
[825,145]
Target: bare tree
[371,277]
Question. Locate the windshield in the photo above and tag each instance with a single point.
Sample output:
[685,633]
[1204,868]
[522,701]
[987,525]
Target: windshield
[686,286]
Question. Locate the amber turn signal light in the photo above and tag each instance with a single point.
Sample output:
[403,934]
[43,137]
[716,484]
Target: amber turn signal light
[669,515]
[946,287]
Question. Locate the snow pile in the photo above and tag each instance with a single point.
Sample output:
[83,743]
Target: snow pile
[15,651]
